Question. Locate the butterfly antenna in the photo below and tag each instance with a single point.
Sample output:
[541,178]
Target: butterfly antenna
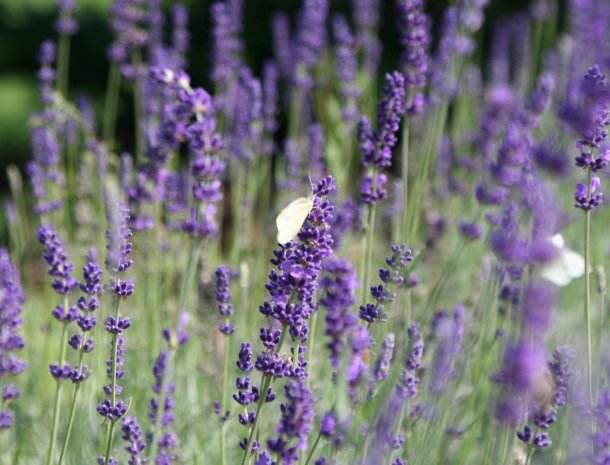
[310,182]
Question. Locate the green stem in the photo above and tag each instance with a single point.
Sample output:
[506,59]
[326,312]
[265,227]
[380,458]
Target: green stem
[138,102]
[367,253]
[57,402]
[311,341]
[261,401]
[405,183]
[313,448]
[63,63]
[112,100]
[64,446]
[190,273]
[225,373]
[588,289]
[110,434]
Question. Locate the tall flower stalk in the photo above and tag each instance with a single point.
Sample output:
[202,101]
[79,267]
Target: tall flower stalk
[376,147]
[63,283]
[587,113]
[117,262]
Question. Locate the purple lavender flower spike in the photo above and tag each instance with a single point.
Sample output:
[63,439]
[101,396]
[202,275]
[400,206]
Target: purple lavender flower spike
[382,364]
[338,286]
[448,331]
[295,424]
[223,297]
[376,145]
[366,17]
[66,24]
[413,25]
[586,198]
[270,106]
[134,439]
[129,18]
[346,68]
[293,283]
[11,301]
[59,267]
[310,40]
[282,44]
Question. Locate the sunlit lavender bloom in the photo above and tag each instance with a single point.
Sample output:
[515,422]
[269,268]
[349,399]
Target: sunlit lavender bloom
[194,123]
[376,145]
[59,267]
[129,23]
[46,74]
[346,68]
[292,285]
[134,439]
[223,297]
[338,286]
[270,106]
[11,301]
[413,26]
[448,331]
[295,424]
[310,40]
[392,278]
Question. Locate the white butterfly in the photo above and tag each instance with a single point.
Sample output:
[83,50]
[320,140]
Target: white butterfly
[291,219]
[567,266]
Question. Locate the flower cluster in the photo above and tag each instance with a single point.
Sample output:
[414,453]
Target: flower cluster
[346,68]
[129,25]
[391,277]
[293,285]
[223,297]
[66,24]
[338,286]
[376,145]
[413,25]
[310,40]
[11,300]
[448,331]
[295,424]
[587,114]
[204,144]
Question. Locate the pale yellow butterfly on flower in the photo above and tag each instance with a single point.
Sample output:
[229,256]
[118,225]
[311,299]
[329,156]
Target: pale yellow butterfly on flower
[291,218]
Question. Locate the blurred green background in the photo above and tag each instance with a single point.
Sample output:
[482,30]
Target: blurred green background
[24,24]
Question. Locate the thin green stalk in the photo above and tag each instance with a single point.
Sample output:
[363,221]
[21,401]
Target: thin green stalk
[313,448]
[110,432]
[225,374]
[404,224]
[57,402]
[261,401]
[64,447]
[367,253]
[588,289]
[63,64]
[138,102]
[112,100]
[310,343]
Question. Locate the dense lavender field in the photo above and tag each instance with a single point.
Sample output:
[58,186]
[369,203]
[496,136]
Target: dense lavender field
[321,263]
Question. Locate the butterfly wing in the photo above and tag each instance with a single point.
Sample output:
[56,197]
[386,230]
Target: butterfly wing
[291,219]
[574,263]
[556,272]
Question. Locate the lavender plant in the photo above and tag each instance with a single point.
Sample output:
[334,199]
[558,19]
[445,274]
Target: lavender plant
[335,367]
